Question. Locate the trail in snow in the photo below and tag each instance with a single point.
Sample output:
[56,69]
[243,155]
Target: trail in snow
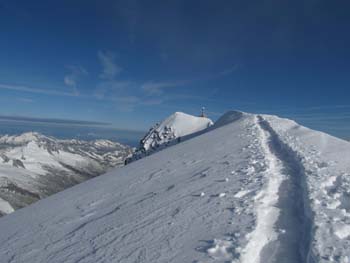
[324,162]
[293,223]
[265,202]
[282,229]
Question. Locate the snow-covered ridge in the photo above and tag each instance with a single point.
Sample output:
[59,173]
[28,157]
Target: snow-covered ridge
[227,118]
[33,166]
[257,189]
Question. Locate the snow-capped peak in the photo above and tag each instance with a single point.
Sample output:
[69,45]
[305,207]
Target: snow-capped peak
[184,124]
[177,125]
[23,138]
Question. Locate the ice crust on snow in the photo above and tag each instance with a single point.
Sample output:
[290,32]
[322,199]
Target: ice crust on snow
[286,200]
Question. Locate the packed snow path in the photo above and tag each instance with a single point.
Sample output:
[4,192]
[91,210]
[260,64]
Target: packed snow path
[282,227]
[259,189]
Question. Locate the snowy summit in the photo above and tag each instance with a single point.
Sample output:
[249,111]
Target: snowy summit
[175,128]
[251,189]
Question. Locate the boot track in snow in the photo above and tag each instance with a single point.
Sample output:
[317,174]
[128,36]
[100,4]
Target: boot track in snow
[283,225]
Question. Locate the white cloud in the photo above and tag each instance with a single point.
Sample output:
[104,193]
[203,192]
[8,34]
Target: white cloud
[109,67]
[74,75]
[69,81]
[36,90]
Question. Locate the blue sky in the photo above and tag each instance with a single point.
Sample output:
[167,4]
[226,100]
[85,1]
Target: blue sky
[131,63]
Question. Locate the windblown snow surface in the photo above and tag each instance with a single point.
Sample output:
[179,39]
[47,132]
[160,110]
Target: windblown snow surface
[256,189]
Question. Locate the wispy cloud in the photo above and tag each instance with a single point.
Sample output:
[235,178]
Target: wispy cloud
[125,93]
[110,69]
[157,88]
[228,71]
[71,79]
[37,90]
[108,89]
[154,88]
[26,100]
[129,94]
[50,120]
[126,103]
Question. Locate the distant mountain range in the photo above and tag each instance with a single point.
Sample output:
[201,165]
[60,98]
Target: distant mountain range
[34,166]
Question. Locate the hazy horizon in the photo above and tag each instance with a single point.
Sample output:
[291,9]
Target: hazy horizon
[14,125]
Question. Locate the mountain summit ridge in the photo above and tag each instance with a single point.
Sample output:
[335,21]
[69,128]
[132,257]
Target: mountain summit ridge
[257,189]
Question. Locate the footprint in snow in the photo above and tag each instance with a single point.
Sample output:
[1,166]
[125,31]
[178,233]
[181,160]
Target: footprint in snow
[199,195]
[220,250]
[222,180]
[225,163]
[321,165]
[170,187]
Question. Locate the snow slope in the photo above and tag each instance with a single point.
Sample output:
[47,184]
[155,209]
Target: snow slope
[33,166]
[256,189]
